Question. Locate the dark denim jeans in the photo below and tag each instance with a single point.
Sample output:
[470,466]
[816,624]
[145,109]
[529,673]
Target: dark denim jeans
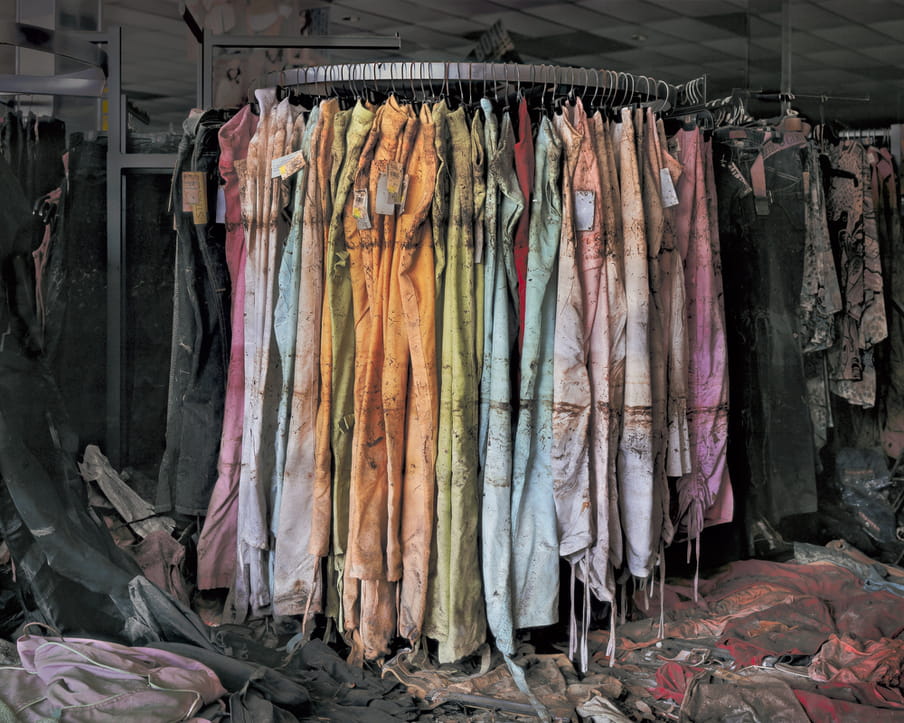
[201,331]
[762,221]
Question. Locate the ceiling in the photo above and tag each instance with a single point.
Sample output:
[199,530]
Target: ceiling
[840,48]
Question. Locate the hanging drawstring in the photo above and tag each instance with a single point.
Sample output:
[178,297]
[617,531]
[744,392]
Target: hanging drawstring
[661,590]
[610,648]
[697,571]
[585,622]
[573,623]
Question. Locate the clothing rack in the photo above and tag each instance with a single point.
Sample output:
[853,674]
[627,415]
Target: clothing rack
[861,133]
[612,87]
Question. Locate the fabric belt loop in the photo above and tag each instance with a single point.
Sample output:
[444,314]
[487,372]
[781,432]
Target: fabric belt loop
[758,178]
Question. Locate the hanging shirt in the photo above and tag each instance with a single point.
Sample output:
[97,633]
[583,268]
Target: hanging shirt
[296,570]
[852,224]
[618,315]
[535,559]
[322,510]
[264,232]
[635,456]
[571,382]
[285,316]
[654,220]
[705,493]
[217,542]
[417,298]
[504,205]
[456,615]
[350,131]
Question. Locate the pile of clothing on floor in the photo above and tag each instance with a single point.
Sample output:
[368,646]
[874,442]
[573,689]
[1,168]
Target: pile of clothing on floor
[818,638]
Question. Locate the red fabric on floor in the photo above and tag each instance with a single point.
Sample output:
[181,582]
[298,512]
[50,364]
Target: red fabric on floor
[672,681]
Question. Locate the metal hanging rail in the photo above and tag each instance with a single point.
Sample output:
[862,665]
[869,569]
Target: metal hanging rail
[859,133]
[452,75]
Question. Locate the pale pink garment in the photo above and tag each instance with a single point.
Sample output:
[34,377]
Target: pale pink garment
[607,153]
[217,543]
[654,220]
[704,495]
[678,461]
[265,231]
[571,383]
[591,255]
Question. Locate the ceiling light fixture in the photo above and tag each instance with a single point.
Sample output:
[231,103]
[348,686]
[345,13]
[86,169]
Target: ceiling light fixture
[350,19]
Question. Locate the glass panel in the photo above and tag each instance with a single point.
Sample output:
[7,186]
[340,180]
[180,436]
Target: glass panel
[150,244]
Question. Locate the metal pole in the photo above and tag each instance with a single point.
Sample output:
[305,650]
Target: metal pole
[115,203]
[786,56]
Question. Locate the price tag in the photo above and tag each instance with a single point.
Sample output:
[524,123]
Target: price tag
[191,189]
[584,207]
[385,203]
[194,195]
[285,166]
[667,187]
[360,208]
[394,179]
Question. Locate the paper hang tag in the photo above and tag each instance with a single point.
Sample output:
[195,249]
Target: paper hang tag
[667,188]
[194,195]
[394,179]
[584,207]
[359,208]
[221,205]
[191,189]
[404,195]
[285,166]
[385,203]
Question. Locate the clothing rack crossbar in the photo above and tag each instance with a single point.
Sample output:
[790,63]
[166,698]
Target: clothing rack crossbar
[452,74]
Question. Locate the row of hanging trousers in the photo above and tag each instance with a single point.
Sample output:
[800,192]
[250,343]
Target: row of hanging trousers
[465,343]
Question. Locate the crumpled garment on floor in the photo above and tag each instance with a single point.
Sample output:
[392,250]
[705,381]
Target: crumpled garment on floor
[758,608]
[847,660]
[91,680]
[161,558]
[549,678]
[742,700]
[831,710]
[673,681]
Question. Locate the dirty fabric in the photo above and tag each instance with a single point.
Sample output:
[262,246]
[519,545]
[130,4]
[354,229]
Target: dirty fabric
[635,453]
[369,588]
[94,680]
[286,311]
[534,535]
[296,571]
[201,324]
[216,545]
[263,200]
[455,605]
[350,130]
[704,494]
[852,225]
[504,204]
